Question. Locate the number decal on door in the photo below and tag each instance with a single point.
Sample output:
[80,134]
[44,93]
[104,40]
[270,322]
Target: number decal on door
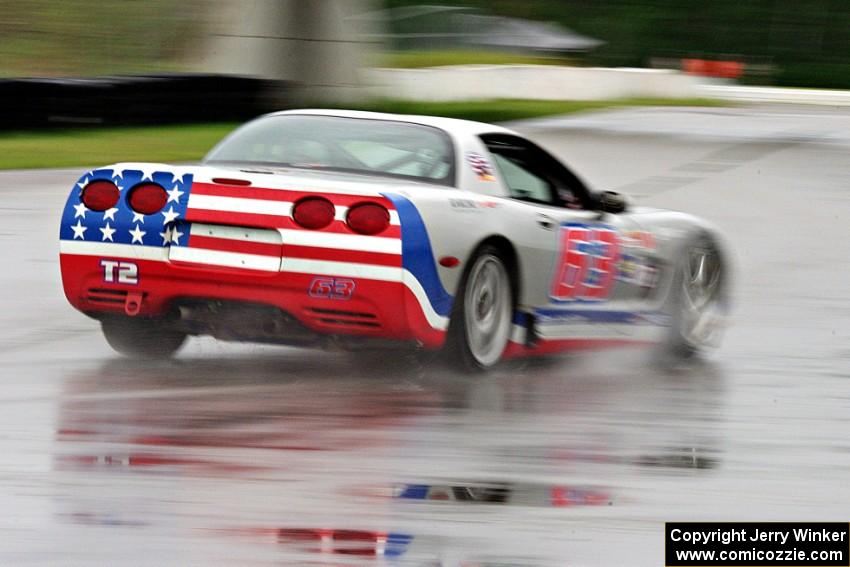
[586,266]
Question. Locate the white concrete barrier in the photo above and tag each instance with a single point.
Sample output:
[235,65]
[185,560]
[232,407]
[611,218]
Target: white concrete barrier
[539,82]
[737,93]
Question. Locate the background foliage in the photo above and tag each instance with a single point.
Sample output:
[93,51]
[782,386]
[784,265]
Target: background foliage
[95,37]
[806,41]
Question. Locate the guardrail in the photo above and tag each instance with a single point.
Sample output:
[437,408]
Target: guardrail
[781,95]
[540,82]
[549,82]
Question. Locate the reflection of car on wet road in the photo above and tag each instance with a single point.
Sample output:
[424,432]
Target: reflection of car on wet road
[527,494]
[262,452]
[316,227]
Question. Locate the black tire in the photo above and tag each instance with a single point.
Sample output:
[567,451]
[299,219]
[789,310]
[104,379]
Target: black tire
[472,301]
[697,322]
[142,337]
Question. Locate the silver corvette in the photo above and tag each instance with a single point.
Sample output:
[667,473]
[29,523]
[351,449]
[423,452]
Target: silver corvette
[317,227]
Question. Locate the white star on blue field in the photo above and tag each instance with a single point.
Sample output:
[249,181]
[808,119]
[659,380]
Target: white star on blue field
[120,224]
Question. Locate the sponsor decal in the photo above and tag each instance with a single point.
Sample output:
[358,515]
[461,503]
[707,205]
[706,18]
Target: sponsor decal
[471,204]
[640,239]
[634,271]
[481,166]
[634,267]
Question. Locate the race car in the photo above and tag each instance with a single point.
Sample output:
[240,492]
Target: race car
[359,230]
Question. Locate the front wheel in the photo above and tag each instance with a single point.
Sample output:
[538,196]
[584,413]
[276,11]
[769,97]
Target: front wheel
[481,319]
[142,337]
[698,299]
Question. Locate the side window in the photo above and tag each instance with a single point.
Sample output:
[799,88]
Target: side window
[522,183]
[531,174]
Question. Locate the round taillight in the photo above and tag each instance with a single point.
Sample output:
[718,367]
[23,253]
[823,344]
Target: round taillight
[100,195]
[368,218]
[313,212]
[147,198]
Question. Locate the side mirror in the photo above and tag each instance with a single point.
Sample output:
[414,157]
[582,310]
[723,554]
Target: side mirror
[612,202]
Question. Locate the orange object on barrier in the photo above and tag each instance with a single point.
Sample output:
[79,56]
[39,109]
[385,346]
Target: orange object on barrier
[713,68]
[695,66]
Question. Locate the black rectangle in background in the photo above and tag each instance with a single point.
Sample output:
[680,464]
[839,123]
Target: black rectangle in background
[136,100]
[751,528]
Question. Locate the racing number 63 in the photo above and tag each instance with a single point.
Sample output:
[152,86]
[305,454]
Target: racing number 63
[587,262]
[331,288]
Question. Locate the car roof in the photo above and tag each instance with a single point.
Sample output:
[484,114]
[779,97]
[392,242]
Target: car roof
[453,126]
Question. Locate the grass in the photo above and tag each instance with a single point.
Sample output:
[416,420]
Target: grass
[439,58]
[183,143]
[97,37]
[94,146]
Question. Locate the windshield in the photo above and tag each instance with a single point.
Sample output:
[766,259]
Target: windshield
[333,143]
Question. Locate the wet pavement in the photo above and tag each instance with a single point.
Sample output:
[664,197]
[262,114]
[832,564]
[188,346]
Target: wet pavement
[248,455]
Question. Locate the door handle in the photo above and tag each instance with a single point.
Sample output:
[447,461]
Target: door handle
[546,222]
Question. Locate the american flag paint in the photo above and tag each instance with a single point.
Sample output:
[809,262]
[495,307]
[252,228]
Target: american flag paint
[297,249]
[120,224]
[480,165]
[211,228]
[243,227]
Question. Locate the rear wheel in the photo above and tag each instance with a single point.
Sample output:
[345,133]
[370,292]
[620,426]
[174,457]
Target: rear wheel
[481,318]
[698,299]
[142,337]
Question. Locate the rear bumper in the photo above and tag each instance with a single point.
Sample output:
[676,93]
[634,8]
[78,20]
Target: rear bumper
[375,308]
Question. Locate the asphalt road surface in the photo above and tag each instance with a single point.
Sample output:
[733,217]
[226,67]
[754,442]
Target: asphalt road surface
[244,455]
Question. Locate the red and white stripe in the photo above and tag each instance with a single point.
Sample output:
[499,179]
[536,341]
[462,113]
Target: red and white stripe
[332,251]
[231,247]
[263,206]
[214,204]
